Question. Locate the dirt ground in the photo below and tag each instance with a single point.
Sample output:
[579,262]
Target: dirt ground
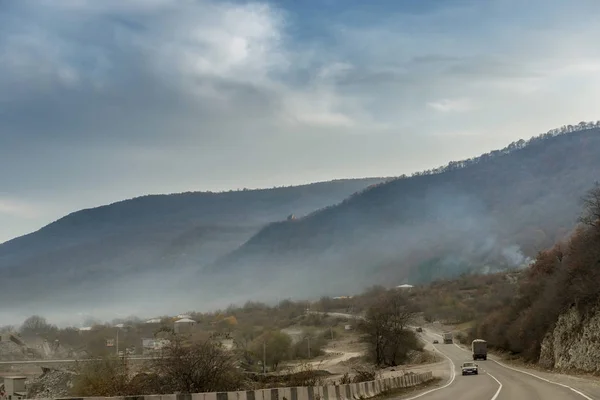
[348,352]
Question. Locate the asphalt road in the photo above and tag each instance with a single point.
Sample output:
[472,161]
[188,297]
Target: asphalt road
[495,381]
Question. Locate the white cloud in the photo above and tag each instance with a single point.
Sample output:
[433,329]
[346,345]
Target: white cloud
[238,43]
[452,105]
[118,98]
[17,208]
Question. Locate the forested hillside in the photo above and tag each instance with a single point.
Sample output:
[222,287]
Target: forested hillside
[554,316]
[488,213]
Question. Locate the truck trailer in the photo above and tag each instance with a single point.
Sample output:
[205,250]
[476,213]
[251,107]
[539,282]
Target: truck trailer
[448,338]
[479,348]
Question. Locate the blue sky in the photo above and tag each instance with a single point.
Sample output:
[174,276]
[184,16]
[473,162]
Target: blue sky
[106,100]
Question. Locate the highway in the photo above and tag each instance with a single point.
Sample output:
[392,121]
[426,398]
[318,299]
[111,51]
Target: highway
[496,381]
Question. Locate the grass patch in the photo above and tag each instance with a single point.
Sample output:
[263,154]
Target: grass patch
[394,393]
[465,326]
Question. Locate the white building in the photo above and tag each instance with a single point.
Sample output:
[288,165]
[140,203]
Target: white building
[405,286]
[184,325]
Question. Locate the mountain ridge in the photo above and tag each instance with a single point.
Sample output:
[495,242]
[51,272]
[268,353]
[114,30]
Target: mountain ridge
[357,226]
[153,234]
[154,253]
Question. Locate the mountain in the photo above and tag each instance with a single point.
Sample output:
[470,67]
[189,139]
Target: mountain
[133,249]
[492,212]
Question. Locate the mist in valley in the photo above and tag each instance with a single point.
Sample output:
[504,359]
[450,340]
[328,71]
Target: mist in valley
[491,213]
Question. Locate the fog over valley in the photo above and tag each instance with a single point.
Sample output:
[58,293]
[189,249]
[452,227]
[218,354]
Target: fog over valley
[164,156]
[168,254]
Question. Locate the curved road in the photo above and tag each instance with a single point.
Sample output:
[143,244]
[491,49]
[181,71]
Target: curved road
[495,381]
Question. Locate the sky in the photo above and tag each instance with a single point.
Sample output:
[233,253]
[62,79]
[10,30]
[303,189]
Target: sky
[106,100]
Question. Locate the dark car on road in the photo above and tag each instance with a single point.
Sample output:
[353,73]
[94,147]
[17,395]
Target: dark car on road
[435,341]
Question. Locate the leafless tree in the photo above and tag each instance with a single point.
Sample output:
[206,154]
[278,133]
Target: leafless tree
[386,330]
[196,367]
[591,207]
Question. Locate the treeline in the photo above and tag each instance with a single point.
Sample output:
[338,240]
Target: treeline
[520,144]
[562,277]
[246,325]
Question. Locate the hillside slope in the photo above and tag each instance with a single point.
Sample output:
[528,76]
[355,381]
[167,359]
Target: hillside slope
[139,244]
[488,213]
[554,316]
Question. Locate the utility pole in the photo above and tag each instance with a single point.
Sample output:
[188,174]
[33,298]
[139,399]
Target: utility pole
[308,341]
[265,357]
[117,342]
[331,331]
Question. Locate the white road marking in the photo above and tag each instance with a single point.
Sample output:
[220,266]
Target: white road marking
[585,396]
[452,378]
[499,388]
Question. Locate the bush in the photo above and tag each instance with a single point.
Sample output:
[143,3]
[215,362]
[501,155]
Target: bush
[107,377]
[364,374]
[197,367]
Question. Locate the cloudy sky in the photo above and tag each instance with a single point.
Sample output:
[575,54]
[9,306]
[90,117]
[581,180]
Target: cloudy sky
[102,100]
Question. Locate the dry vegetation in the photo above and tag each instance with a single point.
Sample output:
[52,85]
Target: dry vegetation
[562,277]
[513,310]
[198,361]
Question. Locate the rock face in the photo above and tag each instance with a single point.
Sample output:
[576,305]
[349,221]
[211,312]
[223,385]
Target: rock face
[574,343]
[11,351]
[51,384]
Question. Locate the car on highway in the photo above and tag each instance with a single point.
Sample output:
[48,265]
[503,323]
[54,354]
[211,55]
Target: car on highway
[436,341]
[419,329]
[469,368]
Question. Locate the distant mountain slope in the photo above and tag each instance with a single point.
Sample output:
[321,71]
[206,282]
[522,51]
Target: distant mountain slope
[491,212]
[100,248]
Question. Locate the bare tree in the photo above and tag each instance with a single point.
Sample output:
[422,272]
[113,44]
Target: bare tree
[196,367]
[591,207]
[36,325]
[386,330]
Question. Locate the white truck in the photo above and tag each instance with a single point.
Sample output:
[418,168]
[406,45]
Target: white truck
[447,338]
[479,349]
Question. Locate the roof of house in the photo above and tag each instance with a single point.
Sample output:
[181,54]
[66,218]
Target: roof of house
[184,320]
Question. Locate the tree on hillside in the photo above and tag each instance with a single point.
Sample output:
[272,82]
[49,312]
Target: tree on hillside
[311,346]
[37,326]
[591,207]
[562,278]
[274,345]
[386,330]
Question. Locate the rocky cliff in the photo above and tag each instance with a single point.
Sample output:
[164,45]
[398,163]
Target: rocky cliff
[574,343]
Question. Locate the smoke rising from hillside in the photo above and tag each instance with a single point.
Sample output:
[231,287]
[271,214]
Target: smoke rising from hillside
[492,214]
